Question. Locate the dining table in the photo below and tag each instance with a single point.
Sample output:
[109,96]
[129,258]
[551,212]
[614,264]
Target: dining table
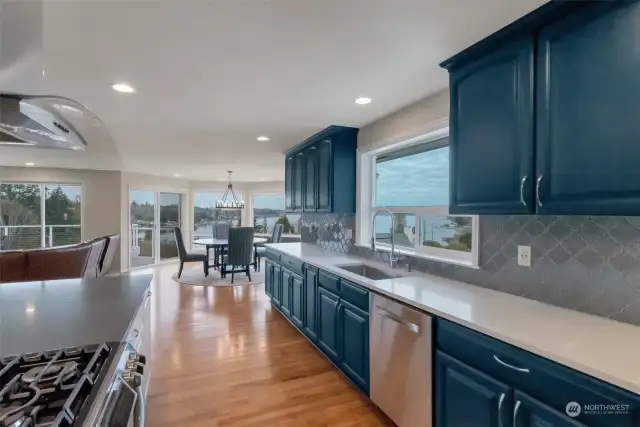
[218,246]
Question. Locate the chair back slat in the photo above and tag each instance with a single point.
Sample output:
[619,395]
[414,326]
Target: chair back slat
[221,229]
[182,251]
[240,246]
[276,237]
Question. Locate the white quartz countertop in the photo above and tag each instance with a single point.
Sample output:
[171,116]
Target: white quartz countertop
[600,347]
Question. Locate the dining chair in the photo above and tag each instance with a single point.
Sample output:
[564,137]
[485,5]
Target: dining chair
[239,252]
[276,237]
[188,257]
[221,229]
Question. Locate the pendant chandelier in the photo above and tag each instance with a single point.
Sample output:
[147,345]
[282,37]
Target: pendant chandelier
[232,202]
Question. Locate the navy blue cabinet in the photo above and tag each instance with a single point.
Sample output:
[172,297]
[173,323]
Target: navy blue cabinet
[465,397]
[588,100]
[354,343]
[528,412]
[268,277]
[328,308]
[297,300]
[310,302]
[491,132]
[276,287]
[318,163]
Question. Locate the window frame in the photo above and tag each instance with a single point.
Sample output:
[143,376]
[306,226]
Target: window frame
[43,198]
[367,207]
[253,194]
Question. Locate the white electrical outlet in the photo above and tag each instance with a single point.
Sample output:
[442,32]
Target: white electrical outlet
[524,256]
[348,233]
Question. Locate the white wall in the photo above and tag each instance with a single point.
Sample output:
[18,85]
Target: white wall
[101,201]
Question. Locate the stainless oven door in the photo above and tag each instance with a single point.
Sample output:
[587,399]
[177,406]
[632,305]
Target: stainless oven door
[125,406]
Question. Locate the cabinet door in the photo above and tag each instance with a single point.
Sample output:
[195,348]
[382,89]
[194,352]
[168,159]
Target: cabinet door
[276,289]
[285,303]
[529,412]
[325,176]
[491,133]
[354,344]
[311,180]
[587,113]
[328,322]
[297,300]
[466,397]
[298,181]
[288,183]
[268,277]
[310,293]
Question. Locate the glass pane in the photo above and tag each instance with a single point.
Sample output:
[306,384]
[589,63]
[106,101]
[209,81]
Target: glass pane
[267,210]
[62,209]
[404,229]
[20,216]
[142,227]
[291,222]
[448,232]
[420,179]
[204,213]
[170,205]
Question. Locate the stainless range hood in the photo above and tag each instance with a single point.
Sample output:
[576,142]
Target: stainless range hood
[42,121]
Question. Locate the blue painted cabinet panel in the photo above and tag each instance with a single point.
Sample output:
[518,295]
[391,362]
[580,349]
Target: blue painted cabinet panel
[528,412]
[588,104]
[268,277]
[298,181]
[311,179]
[328,308]
[325,173]
[491,132]
[465,397]
[310,301]
[276,289]
[288,182]
[285,302]
[354,344]
[297,300]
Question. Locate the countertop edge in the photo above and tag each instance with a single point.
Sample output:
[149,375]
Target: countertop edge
[628,385]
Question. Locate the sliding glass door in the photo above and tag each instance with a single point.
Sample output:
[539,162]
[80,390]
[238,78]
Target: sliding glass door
[153,215]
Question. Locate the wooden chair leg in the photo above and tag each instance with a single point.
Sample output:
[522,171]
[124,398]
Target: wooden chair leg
[180,271]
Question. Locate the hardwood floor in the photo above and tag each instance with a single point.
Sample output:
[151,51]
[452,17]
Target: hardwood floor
[225,357]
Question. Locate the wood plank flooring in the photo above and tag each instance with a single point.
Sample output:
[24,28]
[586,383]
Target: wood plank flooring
[225,357]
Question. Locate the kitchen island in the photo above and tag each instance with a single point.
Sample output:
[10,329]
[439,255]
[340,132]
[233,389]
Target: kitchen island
[48,315]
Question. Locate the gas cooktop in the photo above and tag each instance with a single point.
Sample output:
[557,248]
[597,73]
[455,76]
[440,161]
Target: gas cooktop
[50,389]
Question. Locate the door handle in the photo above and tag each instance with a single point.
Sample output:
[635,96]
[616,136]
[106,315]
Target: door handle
[524,179]
[515,368]
[538,190]
[404,322]
[515,413]
[500,402]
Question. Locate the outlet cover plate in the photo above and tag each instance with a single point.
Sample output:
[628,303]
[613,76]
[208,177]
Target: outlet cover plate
[524,256]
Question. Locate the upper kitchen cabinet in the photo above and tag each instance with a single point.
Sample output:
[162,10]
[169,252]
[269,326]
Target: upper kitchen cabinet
[491,144]
[320,173]
[543,114]
[588,101]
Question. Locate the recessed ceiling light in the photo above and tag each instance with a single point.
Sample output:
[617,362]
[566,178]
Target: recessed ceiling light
[176,175]
[29,164]
[263,138]
[262,179]
[123,87]
[363,101]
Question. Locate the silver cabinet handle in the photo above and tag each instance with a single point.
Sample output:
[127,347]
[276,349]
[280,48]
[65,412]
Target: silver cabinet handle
[515,368]
[538,190]
[524,179]
[500,402]
[515,413]
[404,322]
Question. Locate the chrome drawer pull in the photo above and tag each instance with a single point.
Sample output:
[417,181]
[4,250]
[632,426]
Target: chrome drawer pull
[515,412]
[524,179]
[515,368]
[538,190]
[500,402]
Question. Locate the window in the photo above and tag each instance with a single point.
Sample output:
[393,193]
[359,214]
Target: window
[39,215]
[411,181]
[204,213]
[268,210]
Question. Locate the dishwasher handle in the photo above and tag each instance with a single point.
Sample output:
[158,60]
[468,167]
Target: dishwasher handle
[398,319]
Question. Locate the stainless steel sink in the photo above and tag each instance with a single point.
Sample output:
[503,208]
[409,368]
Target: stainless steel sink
[366,271]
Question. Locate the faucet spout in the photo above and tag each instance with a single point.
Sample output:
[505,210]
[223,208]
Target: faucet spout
[393,258]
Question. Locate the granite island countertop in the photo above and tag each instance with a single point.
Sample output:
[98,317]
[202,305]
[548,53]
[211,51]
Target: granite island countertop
[48,315]
[603,348]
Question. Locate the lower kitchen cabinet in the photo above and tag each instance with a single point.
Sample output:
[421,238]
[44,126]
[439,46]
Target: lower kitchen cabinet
[528,412]
[285,303]
[310,302]
[354,343]
[268,278]
[276,284]
[328,310]
[465,397]
[297,300]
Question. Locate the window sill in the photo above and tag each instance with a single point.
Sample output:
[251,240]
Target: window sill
[416,254]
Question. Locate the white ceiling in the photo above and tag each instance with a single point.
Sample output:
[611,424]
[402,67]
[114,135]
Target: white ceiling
[211,76]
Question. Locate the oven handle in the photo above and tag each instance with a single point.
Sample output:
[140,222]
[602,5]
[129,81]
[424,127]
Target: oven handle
[139,405]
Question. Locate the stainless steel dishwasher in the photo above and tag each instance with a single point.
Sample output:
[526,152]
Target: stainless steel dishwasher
[401,362]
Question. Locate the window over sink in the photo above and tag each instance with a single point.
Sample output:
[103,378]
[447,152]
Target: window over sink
[410,180]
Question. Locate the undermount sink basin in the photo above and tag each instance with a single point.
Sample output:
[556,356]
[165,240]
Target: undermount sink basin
[366,271]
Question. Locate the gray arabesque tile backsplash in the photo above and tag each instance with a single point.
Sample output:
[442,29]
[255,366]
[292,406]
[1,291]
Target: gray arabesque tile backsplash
[589,264]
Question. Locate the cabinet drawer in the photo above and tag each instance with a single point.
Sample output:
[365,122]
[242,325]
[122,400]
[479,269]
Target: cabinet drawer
[273,255]
[552,383]
[294,265]
[355,294]
[329,281]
